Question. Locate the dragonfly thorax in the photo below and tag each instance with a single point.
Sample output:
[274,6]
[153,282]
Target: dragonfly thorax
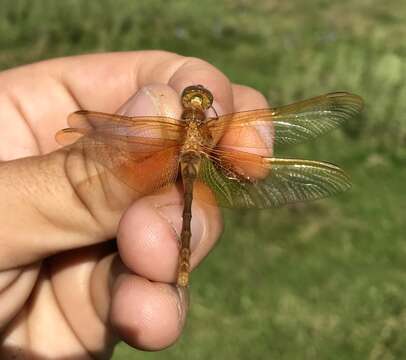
[194,139]
[193,115]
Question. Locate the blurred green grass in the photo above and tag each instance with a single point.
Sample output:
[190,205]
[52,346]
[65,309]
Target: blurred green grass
[314,281]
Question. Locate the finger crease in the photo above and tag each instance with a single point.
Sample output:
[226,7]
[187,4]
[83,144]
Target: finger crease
[25,118]
[77,194]
[70,92]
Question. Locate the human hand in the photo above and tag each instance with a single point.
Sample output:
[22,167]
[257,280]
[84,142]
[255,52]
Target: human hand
[65,287]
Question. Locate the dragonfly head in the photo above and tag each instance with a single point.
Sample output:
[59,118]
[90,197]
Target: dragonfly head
[197,97]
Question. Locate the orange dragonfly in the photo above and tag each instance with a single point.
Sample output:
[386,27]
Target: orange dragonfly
[148,153]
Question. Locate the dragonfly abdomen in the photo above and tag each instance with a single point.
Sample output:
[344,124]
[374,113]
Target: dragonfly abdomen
[189,166]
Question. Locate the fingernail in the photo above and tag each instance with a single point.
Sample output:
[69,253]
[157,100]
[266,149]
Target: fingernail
[266,133]
[173,215]
[215,110]
[141,103]
[155,99]
[197,226]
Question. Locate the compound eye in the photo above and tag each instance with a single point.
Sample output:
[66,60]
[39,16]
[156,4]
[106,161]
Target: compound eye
[197,96]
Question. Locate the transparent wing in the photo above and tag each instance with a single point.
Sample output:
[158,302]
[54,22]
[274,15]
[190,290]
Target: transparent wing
[151,127]
[142,152]
[282,181]
[290,124]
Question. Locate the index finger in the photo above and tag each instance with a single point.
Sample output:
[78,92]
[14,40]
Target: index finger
[36,99]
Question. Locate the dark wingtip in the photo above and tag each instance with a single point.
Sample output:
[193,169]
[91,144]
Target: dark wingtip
[354,99]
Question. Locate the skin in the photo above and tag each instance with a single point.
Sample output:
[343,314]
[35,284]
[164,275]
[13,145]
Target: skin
[66,289]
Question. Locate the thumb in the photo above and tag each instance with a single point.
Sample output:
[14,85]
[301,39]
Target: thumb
[63,200]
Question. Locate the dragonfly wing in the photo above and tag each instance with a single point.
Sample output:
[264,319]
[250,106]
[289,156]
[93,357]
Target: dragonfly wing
[285,181]
[294,123]
[152,127]
[141,152]
[145,171]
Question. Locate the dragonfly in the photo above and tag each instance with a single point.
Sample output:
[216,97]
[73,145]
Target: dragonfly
[149,153]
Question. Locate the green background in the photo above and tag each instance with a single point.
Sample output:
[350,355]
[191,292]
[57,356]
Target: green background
[324,280]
